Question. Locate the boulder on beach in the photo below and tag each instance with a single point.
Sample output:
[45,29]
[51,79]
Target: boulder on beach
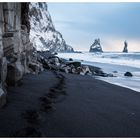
[96,46]
[35,68]
[129,74]
[74,63]
[70,59]
[85,70]
[14,73]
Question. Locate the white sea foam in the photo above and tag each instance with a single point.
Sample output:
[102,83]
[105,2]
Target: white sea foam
[128,59]
[110,62]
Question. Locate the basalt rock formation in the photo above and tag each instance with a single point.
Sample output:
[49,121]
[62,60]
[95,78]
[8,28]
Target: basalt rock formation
[16,50]
[96,46]
[125,49]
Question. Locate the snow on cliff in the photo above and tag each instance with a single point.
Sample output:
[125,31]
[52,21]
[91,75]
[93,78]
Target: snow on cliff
[43,33]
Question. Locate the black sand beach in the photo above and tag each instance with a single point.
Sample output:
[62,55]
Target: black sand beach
[67,105]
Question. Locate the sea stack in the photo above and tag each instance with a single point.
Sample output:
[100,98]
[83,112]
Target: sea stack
[125,50]
[96,46]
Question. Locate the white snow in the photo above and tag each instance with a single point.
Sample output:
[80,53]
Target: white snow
[42,27]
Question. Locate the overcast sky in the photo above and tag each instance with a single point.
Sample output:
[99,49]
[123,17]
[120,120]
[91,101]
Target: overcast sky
[113,23]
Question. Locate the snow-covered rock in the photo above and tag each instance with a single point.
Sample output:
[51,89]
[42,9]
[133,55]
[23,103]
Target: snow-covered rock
[96,46]
[43,33]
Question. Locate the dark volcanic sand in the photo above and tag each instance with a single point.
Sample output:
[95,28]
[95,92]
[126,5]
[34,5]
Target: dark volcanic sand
[66,105]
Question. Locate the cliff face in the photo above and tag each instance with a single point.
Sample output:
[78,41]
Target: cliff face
[43,33]
[16,50]
[22,27]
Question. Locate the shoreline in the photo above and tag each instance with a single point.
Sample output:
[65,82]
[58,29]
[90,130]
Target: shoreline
[74,94]
[137,89]
[69,105]
[114,69]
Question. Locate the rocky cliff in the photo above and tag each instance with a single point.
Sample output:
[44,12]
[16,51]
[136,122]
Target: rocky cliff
[43,33]
[17,56]
[24,26]
[96,46]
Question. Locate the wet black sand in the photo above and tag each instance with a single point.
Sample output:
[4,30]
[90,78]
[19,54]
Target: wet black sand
[65,105]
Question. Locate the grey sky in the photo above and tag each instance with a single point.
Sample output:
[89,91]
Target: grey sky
[81,23]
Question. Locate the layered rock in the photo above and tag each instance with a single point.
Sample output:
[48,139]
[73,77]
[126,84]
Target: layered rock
[43,33]
[125,49]
[3,62]
[16,50]
[96,46]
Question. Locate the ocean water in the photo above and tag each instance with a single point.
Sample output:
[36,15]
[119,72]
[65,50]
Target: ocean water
[115,63]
